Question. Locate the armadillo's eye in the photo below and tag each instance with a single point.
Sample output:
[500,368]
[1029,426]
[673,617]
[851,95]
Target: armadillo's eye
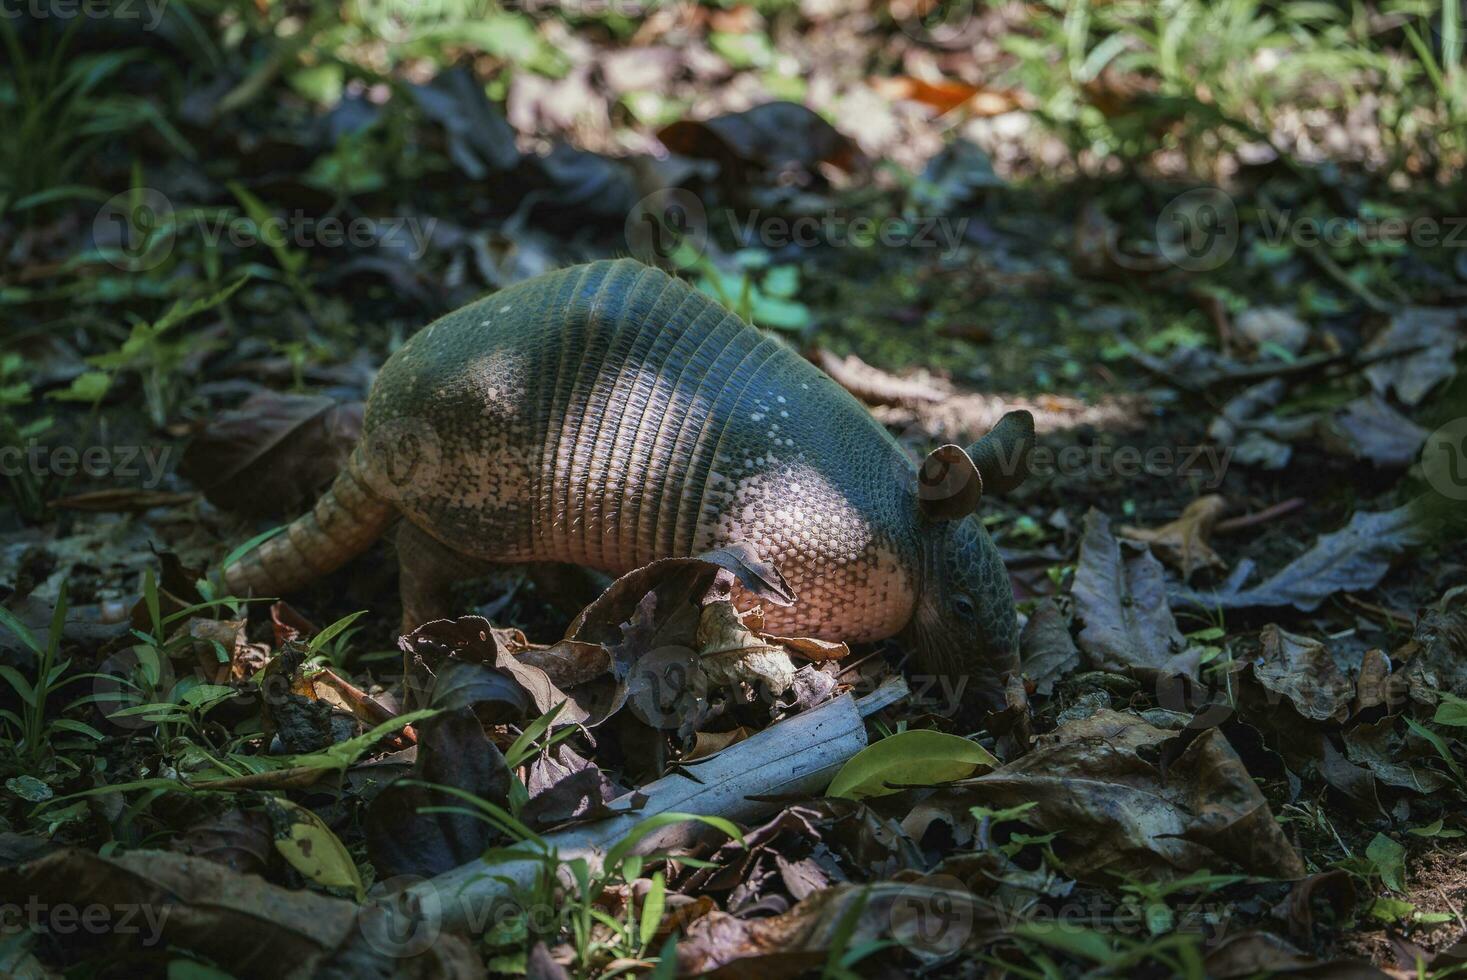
[964,607]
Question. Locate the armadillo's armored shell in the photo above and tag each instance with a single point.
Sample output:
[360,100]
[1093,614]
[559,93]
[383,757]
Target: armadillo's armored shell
[610,414]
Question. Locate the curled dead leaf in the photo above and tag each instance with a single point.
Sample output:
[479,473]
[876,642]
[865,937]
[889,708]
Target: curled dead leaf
[1183,543]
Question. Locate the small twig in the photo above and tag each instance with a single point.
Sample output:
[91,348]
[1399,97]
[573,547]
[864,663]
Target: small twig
[1254,373]
[856,663]
[1395,615]
[1339,275]
[1259,517]
[1218,314]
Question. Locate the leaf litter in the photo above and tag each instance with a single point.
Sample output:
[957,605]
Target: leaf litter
[1255,771]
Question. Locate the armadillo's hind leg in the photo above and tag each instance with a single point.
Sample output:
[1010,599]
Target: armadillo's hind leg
[428,571]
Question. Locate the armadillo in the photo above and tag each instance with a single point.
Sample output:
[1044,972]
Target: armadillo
[610,415]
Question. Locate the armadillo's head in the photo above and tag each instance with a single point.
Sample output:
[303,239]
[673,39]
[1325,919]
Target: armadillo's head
[964,629]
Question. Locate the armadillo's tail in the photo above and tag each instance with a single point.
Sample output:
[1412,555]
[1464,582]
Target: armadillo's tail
[343,524]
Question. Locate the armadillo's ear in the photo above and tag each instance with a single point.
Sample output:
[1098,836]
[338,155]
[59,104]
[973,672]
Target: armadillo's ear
[948,484]
[1002,456]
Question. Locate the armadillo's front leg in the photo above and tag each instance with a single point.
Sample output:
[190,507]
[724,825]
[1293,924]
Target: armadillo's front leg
[428,570]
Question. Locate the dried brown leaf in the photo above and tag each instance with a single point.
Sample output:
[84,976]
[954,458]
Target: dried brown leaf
[1100,781]
[1183,543]
[1120,595]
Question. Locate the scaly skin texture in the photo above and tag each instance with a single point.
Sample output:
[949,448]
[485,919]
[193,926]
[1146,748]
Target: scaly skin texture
[609,415]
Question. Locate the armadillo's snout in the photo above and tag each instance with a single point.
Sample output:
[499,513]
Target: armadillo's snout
[964,630]
[964,634]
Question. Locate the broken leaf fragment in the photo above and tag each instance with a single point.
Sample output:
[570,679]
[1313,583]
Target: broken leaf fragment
[312,849]
[1302,670]
[732,654]
[1046,649]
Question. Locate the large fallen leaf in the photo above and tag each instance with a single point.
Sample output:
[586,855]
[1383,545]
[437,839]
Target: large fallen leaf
[681,585]
[452,751]
[649,620]
[731,653]
[260,930]
[918,757]
[773,137]
[929,922]
[1183,542]
[566,663]
[274,454]
[1099,782]
[1120,594]
[1351,559]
